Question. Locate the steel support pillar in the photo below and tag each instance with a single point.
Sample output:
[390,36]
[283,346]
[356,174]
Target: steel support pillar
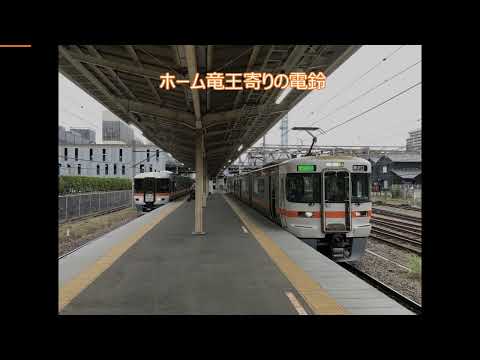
[199,181]
[205,183]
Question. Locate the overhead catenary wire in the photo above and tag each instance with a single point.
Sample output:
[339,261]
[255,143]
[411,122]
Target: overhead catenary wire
[373,107]
[366,92]
[78,103]
[100,161]
[363,75]
[80,117]
[97,168]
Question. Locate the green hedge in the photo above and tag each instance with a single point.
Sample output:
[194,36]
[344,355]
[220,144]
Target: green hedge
[83,184]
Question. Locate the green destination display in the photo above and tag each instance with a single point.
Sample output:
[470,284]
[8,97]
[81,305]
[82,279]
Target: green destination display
[306,168]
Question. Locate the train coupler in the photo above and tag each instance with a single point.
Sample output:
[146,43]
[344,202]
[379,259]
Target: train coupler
[337,253]
[340,247]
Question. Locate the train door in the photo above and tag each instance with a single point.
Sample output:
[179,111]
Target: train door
[281,199]
[250,189]
[173,188]
[276,191]
[273,188]
[149,191]
[336,203]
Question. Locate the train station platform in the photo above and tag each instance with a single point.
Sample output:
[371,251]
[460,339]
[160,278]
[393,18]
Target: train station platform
[243,265]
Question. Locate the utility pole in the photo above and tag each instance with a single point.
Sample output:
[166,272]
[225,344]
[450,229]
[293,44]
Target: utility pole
[284,131]
[133,155]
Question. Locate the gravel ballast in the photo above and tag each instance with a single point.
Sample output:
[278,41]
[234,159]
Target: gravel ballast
[389,273]
[82,231]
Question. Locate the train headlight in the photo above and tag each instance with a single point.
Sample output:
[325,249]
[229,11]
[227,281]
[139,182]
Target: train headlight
[361,213]
[308,214]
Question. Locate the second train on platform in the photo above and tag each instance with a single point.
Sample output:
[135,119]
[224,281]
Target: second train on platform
[152,189]
[323,200]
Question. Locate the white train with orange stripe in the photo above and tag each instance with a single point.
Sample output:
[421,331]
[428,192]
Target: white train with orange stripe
[323,200]
[152,189]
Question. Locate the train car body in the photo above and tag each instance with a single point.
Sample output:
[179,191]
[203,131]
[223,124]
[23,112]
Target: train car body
[152,189]
[323,200]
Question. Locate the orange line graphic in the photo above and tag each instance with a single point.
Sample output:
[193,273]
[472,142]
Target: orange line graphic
[15,46]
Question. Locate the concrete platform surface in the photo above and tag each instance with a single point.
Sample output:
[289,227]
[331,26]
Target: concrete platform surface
[353,294]
[243,265]
[170,271]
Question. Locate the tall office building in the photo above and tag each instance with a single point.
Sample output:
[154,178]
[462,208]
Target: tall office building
[75,136]
[115,130]
[414,141]
[87,134]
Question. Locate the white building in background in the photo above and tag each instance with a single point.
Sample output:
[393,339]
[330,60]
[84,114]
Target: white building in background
[111,160]
[414,141]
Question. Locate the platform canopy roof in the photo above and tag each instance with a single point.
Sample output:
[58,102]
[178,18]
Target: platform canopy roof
[405,157]
[126,79]
[407,173]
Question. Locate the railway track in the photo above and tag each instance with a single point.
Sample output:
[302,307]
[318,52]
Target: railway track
[397,215]
[415,231]
[414,225]
[85,218]
[387,290]
[396,237]
[399,230]
[403,206]
[396,243]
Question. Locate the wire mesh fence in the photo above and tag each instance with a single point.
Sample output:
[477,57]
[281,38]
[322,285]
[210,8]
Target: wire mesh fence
[76,206]
[407,194]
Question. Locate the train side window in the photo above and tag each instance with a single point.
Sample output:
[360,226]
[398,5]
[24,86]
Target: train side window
[261,186]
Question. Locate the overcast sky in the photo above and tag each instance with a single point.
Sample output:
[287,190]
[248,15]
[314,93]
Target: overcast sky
[386,125]
[78,109]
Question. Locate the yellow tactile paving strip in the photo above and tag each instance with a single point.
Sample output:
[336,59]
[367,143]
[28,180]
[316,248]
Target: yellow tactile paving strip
[72,288]
[315,296]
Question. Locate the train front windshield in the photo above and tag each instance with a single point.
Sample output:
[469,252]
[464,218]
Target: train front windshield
[303,188]
[151,185]
[144,185]
[360,187]
[163,185]
[306,188]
